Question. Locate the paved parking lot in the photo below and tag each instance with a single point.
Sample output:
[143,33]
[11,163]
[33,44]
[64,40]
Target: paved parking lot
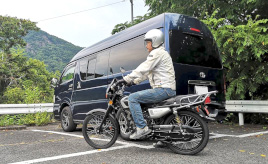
[49,144]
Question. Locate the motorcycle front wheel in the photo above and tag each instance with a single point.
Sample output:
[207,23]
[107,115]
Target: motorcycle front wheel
[200,139]
[100,139]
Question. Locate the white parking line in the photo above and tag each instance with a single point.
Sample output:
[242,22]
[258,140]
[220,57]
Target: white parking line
[125,145]
[251,134]
[74,135]
[216,135]
[80,136]
[71,155]
[66,134]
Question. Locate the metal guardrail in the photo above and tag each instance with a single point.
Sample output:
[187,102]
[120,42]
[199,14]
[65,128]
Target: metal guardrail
[25,108]
[240,106]
[246,106]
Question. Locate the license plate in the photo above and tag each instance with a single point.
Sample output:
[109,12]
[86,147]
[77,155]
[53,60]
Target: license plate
[201,89]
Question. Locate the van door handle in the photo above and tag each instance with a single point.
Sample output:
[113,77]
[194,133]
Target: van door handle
[78,85]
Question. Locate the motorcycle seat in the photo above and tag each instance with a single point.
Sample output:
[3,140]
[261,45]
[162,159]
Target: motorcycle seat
[162,103]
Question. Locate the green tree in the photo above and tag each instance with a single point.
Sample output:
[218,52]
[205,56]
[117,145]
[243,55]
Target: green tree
[22,80]
[30,81]
[244,50]
[12,31]
[234,11]
[123,26]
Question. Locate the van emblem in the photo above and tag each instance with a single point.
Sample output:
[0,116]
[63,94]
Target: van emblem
[202,75]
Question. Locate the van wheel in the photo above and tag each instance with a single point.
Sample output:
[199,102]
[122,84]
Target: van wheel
[66,118]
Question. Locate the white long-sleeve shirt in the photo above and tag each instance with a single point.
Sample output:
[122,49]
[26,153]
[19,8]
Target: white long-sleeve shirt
[158,68]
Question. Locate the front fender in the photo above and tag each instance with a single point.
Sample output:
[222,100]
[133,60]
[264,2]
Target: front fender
[103,111]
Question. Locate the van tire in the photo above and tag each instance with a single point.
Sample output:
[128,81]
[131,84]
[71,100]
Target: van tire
[66,119]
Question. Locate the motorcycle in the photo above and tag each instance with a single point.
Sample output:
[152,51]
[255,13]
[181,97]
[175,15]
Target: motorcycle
[180,122]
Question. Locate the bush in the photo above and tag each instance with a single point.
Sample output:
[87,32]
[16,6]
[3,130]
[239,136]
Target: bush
[40,118]
[250,118]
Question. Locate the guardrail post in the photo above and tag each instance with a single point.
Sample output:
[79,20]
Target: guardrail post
[241,118]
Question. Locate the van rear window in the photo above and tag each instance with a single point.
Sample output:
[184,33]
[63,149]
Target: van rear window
[189,48]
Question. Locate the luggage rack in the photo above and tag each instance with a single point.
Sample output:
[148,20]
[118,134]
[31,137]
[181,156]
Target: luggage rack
[192,100]
[183,101]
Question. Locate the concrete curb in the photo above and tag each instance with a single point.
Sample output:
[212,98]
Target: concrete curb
[14,127]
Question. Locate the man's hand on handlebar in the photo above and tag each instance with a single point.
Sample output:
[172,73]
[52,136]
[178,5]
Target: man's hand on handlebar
[122,81]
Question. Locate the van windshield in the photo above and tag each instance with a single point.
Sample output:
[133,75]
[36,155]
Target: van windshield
[189,48]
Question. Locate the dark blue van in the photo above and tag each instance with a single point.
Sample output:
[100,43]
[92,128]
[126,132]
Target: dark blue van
[194,52]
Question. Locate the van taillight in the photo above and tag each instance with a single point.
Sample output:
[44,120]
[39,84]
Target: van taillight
[208,100]
[194,29]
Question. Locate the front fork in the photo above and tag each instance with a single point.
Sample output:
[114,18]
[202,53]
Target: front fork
[109,110]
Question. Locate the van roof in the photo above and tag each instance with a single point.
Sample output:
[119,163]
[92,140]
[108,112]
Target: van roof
[127,34]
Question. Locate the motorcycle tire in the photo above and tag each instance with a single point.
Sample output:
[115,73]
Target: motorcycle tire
[124,122]
[185,117]
[93,138]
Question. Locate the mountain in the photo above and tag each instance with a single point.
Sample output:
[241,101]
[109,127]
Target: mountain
[55,52]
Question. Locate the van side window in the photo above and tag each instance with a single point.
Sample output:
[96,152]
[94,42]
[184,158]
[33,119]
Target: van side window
[91,69]
[68,74]
[128,55]
[102,64]
[83,69]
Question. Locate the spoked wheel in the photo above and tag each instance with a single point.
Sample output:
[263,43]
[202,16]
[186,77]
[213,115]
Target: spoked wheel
[126,123]
[96,138]
[200,138]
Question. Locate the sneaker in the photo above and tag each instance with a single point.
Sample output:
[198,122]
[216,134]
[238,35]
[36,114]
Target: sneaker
[140,132]
[159,144]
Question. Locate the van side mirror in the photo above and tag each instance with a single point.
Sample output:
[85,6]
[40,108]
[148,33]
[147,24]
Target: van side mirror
[54,82]
[122,70]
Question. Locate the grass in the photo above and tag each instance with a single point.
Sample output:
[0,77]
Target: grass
[40,118]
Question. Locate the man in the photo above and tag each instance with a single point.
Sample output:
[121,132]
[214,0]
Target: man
[158,68]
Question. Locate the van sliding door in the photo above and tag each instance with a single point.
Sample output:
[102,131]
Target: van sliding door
[90,84]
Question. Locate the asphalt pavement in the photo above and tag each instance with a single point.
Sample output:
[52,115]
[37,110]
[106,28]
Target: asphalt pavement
[50,144]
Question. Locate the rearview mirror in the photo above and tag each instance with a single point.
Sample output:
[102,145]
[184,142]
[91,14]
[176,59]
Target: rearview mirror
[54,82]
[122,70]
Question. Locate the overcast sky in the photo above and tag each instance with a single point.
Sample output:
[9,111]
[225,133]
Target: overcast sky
[82,29]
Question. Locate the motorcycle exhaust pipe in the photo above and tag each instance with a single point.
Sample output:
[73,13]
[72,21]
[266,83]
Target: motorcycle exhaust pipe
[175,127]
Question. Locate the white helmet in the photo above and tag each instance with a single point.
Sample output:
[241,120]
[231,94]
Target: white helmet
[156,36]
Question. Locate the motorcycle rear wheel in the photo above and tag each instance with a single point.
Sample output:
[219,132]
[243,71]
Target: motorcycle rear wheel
[200,138]
[104,139]
[125,121]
